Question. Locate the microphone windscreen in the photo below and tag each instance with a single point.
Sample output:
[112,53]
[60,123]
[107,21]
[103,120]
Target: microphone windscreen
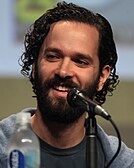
[71,96]
[75,98]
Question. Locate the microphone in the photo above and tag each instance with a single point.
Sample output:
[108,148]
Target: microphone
[76,98]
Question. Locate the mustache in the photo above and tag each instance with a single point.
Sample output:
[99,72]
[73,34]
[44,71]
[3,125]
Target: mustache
[57,80]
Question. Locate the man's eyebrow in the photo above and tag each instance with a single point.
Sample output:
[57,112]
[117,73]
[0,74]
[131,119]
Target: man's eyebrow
[81,55]
[51,49]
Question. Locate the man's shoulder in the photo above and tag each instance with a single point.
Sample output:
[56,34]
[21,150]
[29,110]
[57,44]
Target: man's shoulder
[7,126]
[110,145]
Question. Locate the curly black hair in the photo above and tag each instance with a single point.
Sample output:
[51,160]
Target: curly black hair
[71,12]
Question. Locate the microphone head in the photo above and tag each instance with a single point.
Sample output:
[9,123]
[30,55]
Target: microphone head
[71,97]
[77,99]
[74,98]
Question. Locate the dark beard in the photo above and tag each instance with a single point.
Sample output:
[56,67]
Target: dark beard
[58,110]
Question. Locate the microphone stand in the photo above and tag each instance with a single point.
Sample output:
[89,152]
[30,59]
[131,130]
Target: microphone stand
[91,146]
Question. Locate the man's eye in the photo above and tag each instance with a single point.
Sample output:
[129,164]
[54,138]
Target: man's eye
[51,57]
[81,62]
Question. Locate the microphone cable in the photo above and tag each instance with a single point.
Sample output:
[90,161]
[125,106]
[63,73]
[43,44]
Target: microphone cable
[119,142]
[118,137]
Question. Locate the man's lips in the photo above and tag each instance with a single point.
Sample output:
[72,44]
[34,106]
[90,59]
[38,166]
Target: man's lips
[61,88]
[60,91]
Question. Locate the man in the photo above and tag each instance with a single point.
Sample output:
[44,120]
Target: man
[68,46]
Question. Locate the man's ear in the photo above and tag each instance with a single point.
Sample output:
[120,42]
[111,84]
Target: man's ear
[103,76]
[33,70]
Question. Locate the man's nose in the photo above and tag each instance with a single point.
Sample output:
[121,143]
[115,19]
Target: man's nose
[65,68]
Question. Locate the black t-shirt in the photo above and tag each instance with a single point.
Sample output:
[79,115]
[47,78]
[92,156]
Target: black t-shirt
[74,157]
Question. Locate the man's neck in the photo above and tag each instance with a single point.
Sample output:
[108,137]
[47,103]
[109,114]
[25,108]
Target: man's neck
[58,134]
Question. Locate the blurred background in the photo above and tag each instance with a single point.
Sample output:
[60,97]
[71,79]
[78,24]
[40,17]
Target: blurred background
[15,90]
